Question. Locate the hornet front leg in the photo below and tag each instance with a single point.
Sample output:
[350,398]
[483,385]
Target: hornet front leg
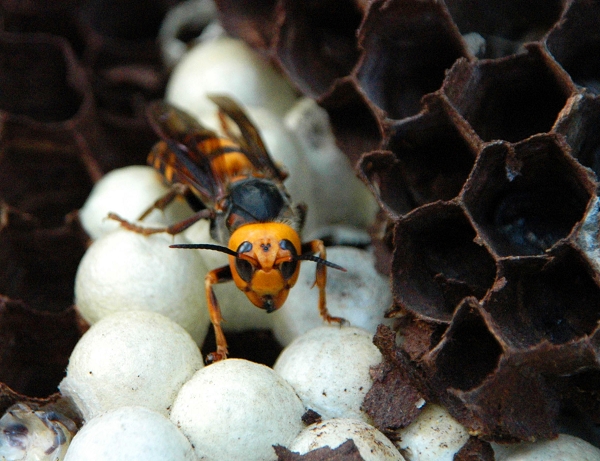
[219,275]
[317,246]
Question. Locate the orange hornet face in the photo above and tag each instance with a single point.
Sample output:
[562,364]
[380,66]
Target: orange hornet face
[266,266]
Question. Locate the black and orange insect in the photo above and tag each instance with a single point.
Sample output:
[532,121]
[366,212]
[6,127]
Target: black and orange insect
[233,181]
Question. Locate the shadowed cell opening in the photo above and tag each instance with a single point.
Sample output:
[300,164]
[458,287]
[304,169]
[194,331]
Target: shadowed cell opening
[356,127]
[468,352]
[434,157]
[526,198]
[579,128]
[508,99]
[385,176]
[42,180]
[555,301]
[427,159]
[407,48]
[575,44]
[35,79]
[505,24]
[437,263]
[254,21]
[317,42]
[130,20]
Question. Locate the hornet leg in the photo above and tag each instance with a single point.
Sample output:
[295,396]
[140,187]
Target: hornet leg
[173,229]
[176,190]
[219,275]
[317,246]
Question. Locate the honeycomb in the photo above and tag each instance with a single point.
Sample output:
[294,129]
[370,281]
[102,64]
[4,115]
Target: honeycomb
[474,123]
[73,88]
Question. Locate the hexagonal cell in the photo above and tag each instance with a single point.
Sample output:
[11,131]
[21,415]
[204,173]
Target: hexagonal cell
[505,25]
[125,20]
[35,348]
[525,197]
[37,78]
[468,346]
[587,237]
[126,70]
[545,299]
[578,124]
[317,42]
[384,176]
[559,359]
[43,180]
[49,128]
[55,18]
[575,43]
[38,325]
[355,123]
[254,21]
[437,263]
[432,158]
[514,403]
[39,264]
[408,45]
[511,98]
[584,394]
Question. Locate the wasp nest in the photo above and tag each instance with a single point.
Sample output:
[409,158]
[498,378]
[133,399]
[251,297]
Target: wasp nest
[72,95]
[474,125]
